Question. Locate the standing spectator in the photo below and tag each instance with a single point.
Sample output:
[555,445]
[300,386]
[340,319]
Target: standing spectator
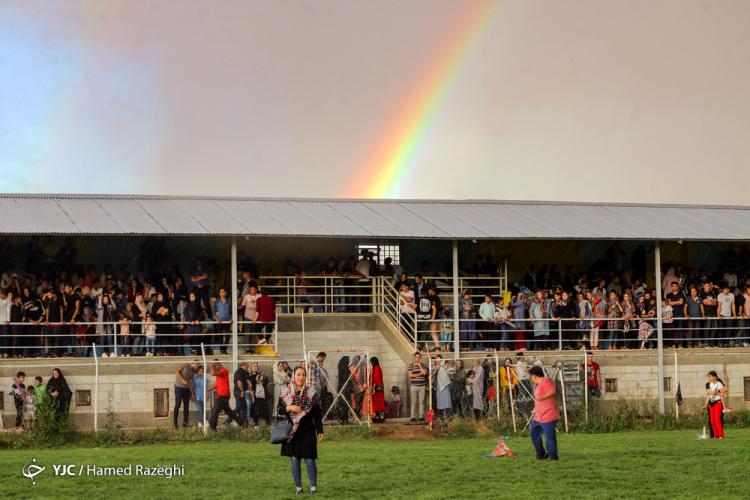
[377,389]
[508,377]
[140,311]
[300,405]
[29,409]
[585,311]
[417,381]
[694,308]
[58,389]
[406,304]
[503,324]
[364,286]
[18,389]
[222,314]
[745,313]
[183,391]
[198,383]
[614,320]
[546,414]
[628,324]
[242,395]
[33,313]
[676,299]
[16,327]
[162,313]
[221,386]
[149,327]
[726,314]
[518,307]
[600,312]
[437,312]
[53,322]
[487,315]
[467,325]
[265,315]
[458,380]
[425,314]
[200,285]
[192,316]
[319,375]
[249,306]
[538,313]
[105,312]
[593,376]
[259,388]
[442,386]
[710,313]
[280,380]
[477,402]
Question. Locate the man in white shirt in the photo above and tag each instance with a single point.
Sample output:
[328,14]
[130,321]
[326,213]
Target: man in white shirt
[726,313]
[364,287]
[5,303]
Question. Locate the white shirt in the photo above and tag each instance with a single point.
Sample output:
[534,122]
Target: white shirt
[716,387]
[5,310]
[363,268]
[725,304]
[405,302]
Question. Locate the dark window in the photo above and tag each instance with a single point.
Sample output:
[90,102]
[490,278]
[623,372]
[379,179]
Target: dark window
[667,384]
[747,388]
[610,385]
[161,402]
[83,397]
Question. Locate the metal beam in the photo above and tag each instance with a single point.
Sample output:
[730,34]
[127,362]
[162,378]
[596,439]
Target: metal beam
[235,303]
[659,327]
[456,291]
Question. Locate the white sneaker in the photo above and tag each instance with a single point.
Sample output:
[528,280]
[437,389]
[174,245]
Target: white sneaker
[149,354]
[200,424]
[262,342]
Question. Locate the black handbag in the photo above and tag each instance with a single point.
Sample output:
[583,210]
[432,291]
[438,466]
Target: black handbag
[280,431]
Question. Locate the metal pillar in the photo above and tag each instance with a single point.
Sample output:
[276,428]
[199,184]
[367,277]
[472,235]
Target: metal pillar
[456,291]
[235,303]
[659,327]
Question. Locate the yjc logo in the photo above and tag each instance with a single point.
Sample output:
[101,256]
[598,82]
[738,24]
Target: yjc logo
[32,470]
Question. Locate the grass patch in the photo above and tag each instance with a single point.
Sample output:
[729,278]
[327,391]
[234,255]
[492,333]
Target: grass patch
[662,464]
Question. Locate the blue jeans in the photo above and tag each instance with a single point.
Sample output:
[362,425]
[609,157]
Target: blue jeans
[548,429]
[199,409]
[150,345]
[312,471]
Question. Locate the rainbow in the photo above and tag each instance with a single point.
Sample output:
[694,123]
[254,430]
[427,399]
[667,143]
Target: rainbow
[385,167]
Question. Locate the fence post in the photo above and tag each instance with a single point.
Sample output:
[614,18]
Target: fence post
[565,406]
[456,291]
[416,333]
[676,381]
[96,389]
[235,299]
[497,384]
[429,382]
[659,328]
[205,379]
[559,334]
[586,386]
[510,393]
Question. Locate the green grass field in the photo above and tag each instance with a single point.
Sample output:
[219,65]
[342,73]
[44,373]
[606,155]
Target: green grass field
[629,464]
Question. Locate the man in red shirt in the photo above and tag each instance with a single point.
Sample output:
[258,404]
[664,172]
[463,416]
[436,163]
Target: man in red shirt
[546,414]
[593,376]
[221,385]
[265,315]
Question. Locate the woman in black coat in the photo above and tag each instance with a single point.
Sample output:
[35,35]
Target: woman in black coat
[61,394]
[299,404]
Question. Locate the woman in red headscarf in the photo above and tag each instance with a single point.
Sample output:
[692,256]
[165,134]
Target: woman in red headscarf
[377,391]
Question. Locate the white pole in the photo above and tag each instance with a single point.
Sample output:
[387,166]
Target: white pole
[456,291]
[510,393]
[559,334]
[659,328]
[114,336]
[497,384]
[233,283]
[429,382]
[96,389]
[205,380]
[676,381]
[565,406]
[304,343]
[586,385]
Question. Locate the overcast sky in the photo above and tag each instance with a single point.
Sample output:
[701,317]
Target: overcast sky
[622,100]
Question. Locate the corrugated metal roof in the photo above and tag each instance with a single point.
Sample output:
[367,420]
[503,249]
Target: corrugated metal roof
[437,219]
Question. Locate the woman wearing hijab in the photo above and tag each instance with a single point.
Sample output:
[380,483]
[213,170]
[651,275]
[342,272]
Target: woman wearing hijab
[280,381]
[359,399]
[458,383]
[299,404]
[442,388]
[377,390]
[478,388]
[58,389]
[344,386]
[162,311]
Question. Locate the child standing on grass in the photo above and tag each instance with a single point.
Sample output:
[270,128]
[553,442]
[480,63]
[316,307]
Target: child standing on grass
[18,389]
[29,409]
[394,407]
[468,401]
[198,383]
[40,389]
